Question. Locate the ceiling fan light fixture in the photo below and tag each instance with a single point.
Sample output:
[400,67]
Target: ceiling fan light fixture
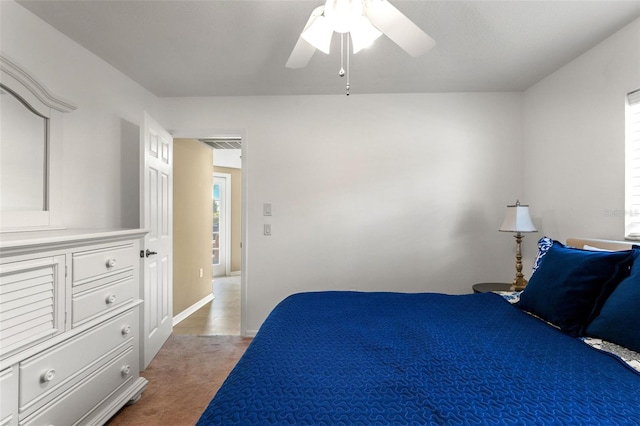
[319,33]
[343,14]
[362,21]
[363,34]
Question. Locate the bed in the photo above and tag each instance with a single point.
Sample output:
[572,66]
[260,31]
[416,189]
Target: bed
[425,358]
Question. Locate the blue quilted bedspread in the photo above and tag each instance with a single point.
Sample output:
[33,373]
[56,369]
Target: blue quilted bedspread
[392,358]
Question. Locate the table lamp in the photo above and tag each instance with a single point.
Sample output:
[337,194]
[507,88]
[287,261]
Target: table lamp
[517,220]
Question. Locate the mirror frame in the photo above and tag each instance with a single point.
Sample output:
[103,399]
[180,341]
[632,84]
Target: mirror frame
[19,82]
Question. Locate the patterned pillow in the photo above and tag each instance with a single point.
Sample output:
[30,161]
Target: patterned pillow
[570,284]
[544,244]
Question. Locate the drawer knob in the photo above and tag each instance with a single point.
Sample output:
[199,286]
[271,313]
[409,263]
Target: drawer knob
[48,375]
[126,330]
[110,299]
[125,370]
[111,263]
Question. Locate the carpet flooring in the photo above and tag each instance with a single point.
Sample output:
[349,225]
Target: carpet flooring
[183,377]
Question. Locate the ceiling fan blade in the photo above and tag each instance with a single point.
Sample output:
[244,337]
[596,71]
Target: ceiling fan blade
[384,16]
[303,50]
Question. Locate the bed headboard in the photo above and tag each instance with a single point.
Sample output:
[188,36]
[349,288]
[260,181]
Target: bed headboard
[601,244]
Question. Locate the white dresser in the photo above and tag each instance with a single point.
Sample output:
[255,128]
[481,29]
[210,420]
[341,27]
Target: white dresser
[69,325]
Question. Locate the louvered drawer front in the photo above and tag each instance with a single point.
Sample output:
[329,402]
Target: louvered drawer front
[31,302]
[97,301]
[50,373]
[72,407]
[8,395]
[92,264]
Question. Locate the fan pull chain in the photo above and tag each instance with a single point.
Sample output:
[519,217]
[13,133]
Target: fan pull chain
[341,73]
[348,78]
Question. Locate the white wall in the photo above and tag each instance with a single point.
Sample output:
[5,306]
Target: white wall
[574,140]
[100,173]
[374,192]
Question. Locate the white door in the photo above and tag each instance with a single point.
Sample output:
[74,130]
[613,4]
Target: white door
[156,215]
[220,257]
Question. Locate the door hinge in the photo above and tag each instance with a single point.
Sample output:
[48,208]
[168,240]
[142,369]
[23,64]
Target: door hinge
[66,269]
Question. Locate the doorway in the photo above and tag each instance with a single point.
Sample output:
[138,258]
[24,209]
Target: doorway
[228,217]
[221,314]
[202,318]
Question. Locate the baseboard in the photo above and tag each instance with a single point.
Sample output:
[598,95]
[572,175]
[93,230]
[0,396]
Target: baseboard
[235,273]
[191,309]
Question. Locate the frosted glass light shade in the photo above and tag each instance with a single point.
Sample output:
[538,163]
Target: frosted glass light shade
[363,34]
[319,34]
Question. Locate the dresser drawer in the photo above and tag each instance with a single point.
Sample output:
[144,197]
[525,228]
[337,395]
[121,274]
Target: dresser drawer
[72,407]
[46,375]
[105,260]
[97,301]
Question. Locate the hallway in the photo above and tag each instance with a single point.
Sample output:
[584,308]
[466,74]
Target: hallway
[218,317]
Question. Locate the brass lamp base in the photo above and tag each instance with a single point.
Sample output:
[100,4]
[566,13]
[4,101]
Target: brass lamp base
[519,282]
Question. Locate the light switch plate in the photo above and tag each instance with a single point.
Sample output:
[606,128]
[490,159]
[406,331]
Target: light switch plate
[266,209]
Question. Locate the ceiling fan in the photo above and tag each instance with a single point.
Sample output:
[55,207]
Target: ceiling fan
[363,21]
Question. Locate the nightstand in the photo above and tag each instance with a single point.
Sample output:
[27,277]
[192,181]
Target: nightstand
[487,287]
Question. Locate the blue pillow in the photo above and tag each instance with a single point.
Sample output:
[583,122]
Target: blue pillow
[619,319]
[570,284]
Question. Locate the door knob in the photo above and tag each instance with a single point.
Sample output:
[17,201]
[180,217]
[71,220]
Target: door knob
[149,253]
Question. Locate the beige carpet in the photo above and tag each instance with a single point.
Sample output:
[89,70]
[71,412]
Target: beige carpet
[183,377]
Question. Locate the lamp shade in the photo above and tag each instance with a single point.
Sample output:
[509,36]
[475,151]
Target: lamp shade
[517,219]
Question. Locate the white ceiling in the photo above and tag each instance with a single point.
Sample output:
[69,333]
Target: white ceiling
[239,47]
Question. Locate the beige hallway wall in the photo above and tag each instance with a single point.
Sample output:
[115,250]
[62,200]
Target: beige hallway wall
[192,223]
